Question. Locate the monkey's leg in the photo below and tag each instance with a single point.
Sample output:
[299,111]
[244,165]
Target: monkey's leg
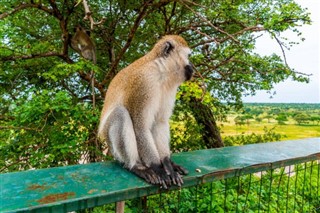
[161,135]
[148,150]
[122,140]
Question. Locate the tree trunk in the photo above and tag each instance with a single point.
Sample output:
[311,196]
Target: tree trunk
[204,116]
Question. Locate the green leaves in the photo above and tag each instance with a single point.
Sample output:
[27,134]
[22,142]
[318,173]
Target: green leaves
[51,128]
[62,71]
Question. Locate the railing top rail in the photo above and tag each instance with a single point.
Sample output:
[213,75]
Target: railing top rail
[77,187]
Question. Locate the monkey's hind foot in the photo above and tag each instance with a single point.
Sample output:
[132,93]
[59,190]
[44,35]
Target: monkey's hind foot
[149,175]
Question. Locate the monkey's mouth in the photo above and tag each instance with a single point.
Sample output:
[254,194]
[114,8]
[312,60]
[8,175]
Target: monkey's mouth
[188,71]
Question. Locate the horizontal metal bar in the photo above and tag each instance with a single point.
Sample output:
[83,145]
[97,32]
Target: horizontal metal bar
[78,187]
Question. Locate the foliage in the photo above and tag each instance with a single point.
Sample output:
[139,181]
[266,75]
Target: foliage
[281,118]
[294,189]
[269,119]
[186,134]
[301,118]
[243,119]
[47,117]
[268,136]
[48,131]
[301,113]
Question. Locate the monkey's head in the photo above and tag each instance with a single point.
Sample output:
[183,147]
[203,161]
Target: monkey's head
[173,52]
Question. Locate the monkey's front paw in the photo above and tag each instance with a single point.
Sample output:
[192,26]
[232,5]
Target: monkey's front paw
[165,179]
[181,170]
[173,172]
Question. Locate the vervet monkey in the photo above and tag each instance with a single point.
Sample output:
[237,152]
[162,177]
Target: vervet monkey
[138,104]
[83,44]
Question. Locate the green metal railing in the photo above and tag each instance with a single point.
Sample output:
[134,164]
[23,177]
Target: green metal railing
[269,177]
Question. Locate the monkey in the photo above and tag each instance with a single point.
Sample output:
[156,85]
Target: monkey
[138,104]
[83,44]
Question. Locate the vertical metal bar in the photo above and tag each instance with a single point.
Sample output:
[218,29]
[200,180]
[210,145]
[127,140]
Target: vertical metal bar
[310,184]
[211,196]
[287,200]
[247,195]
[144,202]
[160,201]
[238,191]
[279,183]
[260,190]
[225,195]
[270,188]
[196,197]
[179,196]
[318,182]
[296,168]
[304,183]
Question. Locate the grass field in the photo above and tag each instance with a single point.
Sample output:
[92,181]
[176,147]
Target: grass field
[290,131]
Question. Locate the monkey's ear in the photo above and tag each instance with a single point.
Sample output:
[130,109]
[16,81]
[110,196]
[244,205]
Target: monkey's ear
[168,48]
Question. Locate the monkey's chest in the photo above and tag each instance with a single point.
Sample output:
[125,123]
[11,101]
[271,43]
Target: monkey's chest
[165,108]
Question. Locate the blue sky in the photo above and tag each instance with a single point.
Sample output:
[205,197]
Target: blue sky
[303,58]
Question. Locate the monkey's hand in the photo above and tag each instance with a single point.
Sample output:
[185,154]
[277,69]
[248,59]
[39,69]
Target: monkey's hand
[179,169]
[174,171]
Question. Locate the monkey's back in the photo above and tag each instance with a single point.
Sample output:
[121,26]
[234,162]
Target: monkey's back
[127,83]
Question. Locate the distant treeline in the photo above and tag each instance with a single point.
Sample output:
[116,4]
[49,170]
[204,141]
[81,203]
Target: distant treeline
[301,113]
[311,106]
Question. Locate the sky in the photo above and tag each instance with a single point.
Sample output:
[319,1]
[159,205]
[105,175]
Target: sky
[303,57]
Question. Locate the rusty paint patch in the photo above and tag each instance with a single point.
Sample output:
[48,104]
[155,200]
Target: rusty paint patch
[56,197]
[38,187]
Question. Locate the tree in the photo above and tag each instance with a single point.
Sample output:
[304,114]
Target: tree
[239,120]
[301,118]
[258,119]
[43,95]
[268,117]
[315,119]
[281,118]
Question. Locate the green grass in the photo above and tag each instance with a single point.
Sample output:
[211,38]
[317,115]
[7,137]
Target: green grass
[290,130]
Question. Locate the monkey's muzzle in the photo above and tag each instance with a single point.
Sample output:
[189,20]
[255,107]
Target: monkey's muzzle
[188,71]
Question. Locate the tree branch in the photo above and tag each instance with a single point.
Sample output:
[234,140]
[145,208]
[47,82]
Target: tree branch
[132,32]
[24,6]
[32,56]
[219,41]
[281,46]
[209,22]
[88,15]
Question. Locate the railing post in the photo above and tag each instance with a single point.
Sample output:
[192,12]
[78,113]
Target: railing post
[120,207]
